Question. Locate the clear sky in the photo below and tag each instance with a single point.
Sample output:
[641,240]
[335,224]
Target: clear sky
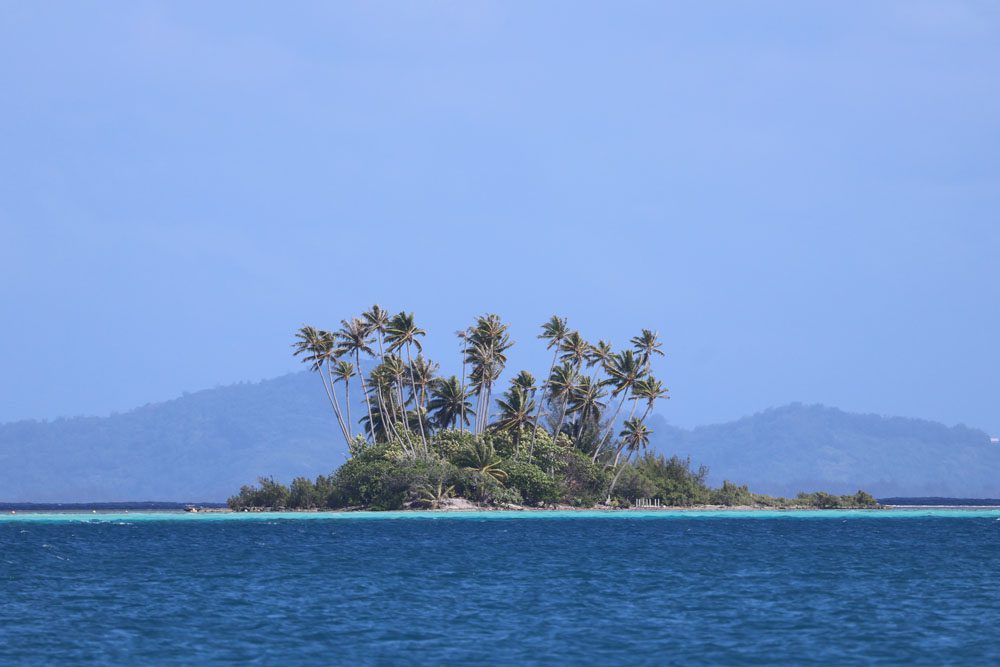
[803,198]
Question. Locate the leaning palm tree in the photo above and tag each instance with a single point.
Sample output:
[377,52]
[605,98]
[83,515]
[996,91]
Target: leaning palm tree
[317,348]
[646,344]
[402,331]
[554,331]
[343,371]
[623,370]
[448,403]
[516,408]
[355,338]
[635,437]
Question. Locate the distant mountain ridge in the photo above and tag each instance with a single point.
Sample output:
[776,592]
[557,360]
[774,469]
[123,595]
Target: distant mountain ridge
[799,447]
[204,445]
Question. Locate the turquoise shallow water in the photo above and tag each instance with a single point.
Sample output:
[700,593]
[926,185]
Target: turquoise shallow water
[896,587]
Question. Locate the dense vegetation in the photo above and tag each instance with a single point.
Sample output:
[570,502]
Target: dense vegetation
[424,439]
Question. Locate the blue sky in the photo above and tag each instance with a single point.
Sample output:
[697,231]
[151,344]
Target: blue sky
[803,198]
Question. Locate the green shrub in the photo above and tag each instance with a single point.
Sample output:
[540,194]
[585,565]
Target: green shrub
[731,494]
[269,494]
[534,485]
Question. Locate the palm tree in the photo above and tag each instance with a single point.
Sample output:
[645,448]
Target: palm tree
[377,319]
[562,383]
[516,407]
[646,344]
[554,331]
[448,404]
[650,389]
[488,345]
[463,336]
[635,437]
[585,402]
[355,338]
[402,331]
[526,381]
[424,371]
[434,495]
[318,349]
[343,371]
[484,459]
[623,370]
[394,367]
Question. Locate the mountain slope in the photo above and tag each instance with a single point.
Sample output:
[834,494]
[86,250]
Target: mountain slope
[795,448]
[203,446]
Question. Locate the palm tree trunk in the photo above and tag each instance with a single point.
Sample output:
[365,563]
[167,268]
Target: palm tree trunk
[615,480]
[611,427]
[416,399]
[368,402]
[465,351]
[347,400]
[332,397]
[541,401]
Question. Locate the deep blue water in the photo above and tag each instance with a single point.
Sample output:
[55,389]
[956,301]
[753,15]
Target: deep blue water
[690,589]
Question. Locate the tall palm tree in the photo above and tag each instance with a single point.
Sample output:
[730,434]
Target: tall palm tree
[317,348]
[355,338]
[646,344]
[377,319]
[562,383]
[554,331]
[395,367]
[651,390]
[516,407]
[463,335]
[402,331]
[635,437]
[448,402]
[526,381]
[623,370]
[424,373]
[488,345]
[343,371]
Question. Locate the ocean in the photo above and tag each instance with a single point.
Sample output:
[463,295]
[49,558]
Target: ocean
[502,588]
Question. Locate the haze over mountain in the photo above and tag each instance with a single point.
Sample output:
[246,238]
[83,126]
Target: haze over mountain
[203,446]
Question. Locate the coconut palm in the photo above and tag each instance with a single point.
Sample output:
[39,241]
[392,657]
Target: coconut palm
[635,437]
[646,344]
[623,370]
[424,372]
[554,331]
[355,338]
[651,390]
[525,380]
[463,335]
[448,405]
[402,331]
[377,319]
[562,383]
[317,349]
[487,352]
[516,408]
[343,371]
[484,459]
[433,496]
